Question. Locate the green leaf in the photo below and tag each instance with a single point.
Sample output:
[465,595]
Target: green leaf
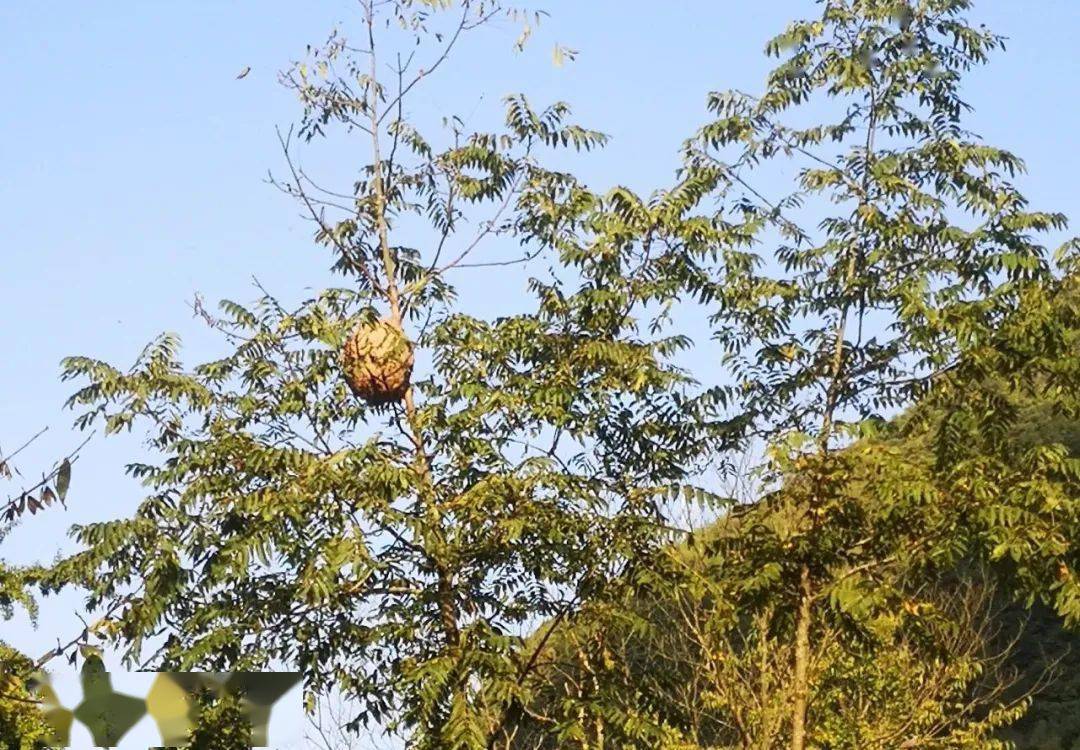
[63,479]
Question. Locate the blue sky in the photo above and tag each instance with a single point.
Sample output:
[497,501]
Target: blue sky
[134,164]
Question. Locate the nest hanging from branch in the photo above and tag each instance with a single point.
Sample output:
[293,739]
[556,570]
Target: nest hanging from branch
[377,362]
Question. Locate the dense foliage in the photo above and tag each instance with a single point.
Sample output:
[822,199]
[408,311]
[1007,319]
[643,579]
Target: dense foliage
[222,724]
[941,657]
[22,723]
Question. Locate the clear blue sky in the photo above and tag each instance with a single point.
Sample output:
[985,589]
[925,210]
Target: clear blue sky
[133,165]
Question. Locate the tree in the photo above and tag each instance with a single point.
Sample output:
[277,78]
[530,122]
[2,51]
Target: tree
[923,281]
[22,724]
[1047,644]
[923,277]
[708,676]
[222,723]
[328,726]
[32,498]
[402,544]
[954,665]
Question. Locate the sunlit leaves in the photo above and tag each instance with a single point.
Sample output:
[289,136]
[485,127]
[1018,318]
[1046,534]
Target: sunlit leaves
[404,552]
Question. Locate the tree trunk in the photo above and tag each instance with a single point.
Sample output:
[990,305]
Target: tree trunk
[801,685]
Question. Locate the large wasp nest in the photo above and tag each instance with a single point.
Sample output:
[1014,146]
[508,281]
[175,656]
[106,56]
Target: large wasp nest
[377,361]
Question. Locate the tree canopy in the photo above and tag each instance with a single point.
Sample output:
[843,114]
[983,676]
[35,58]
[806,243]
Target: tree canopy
[933,654]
